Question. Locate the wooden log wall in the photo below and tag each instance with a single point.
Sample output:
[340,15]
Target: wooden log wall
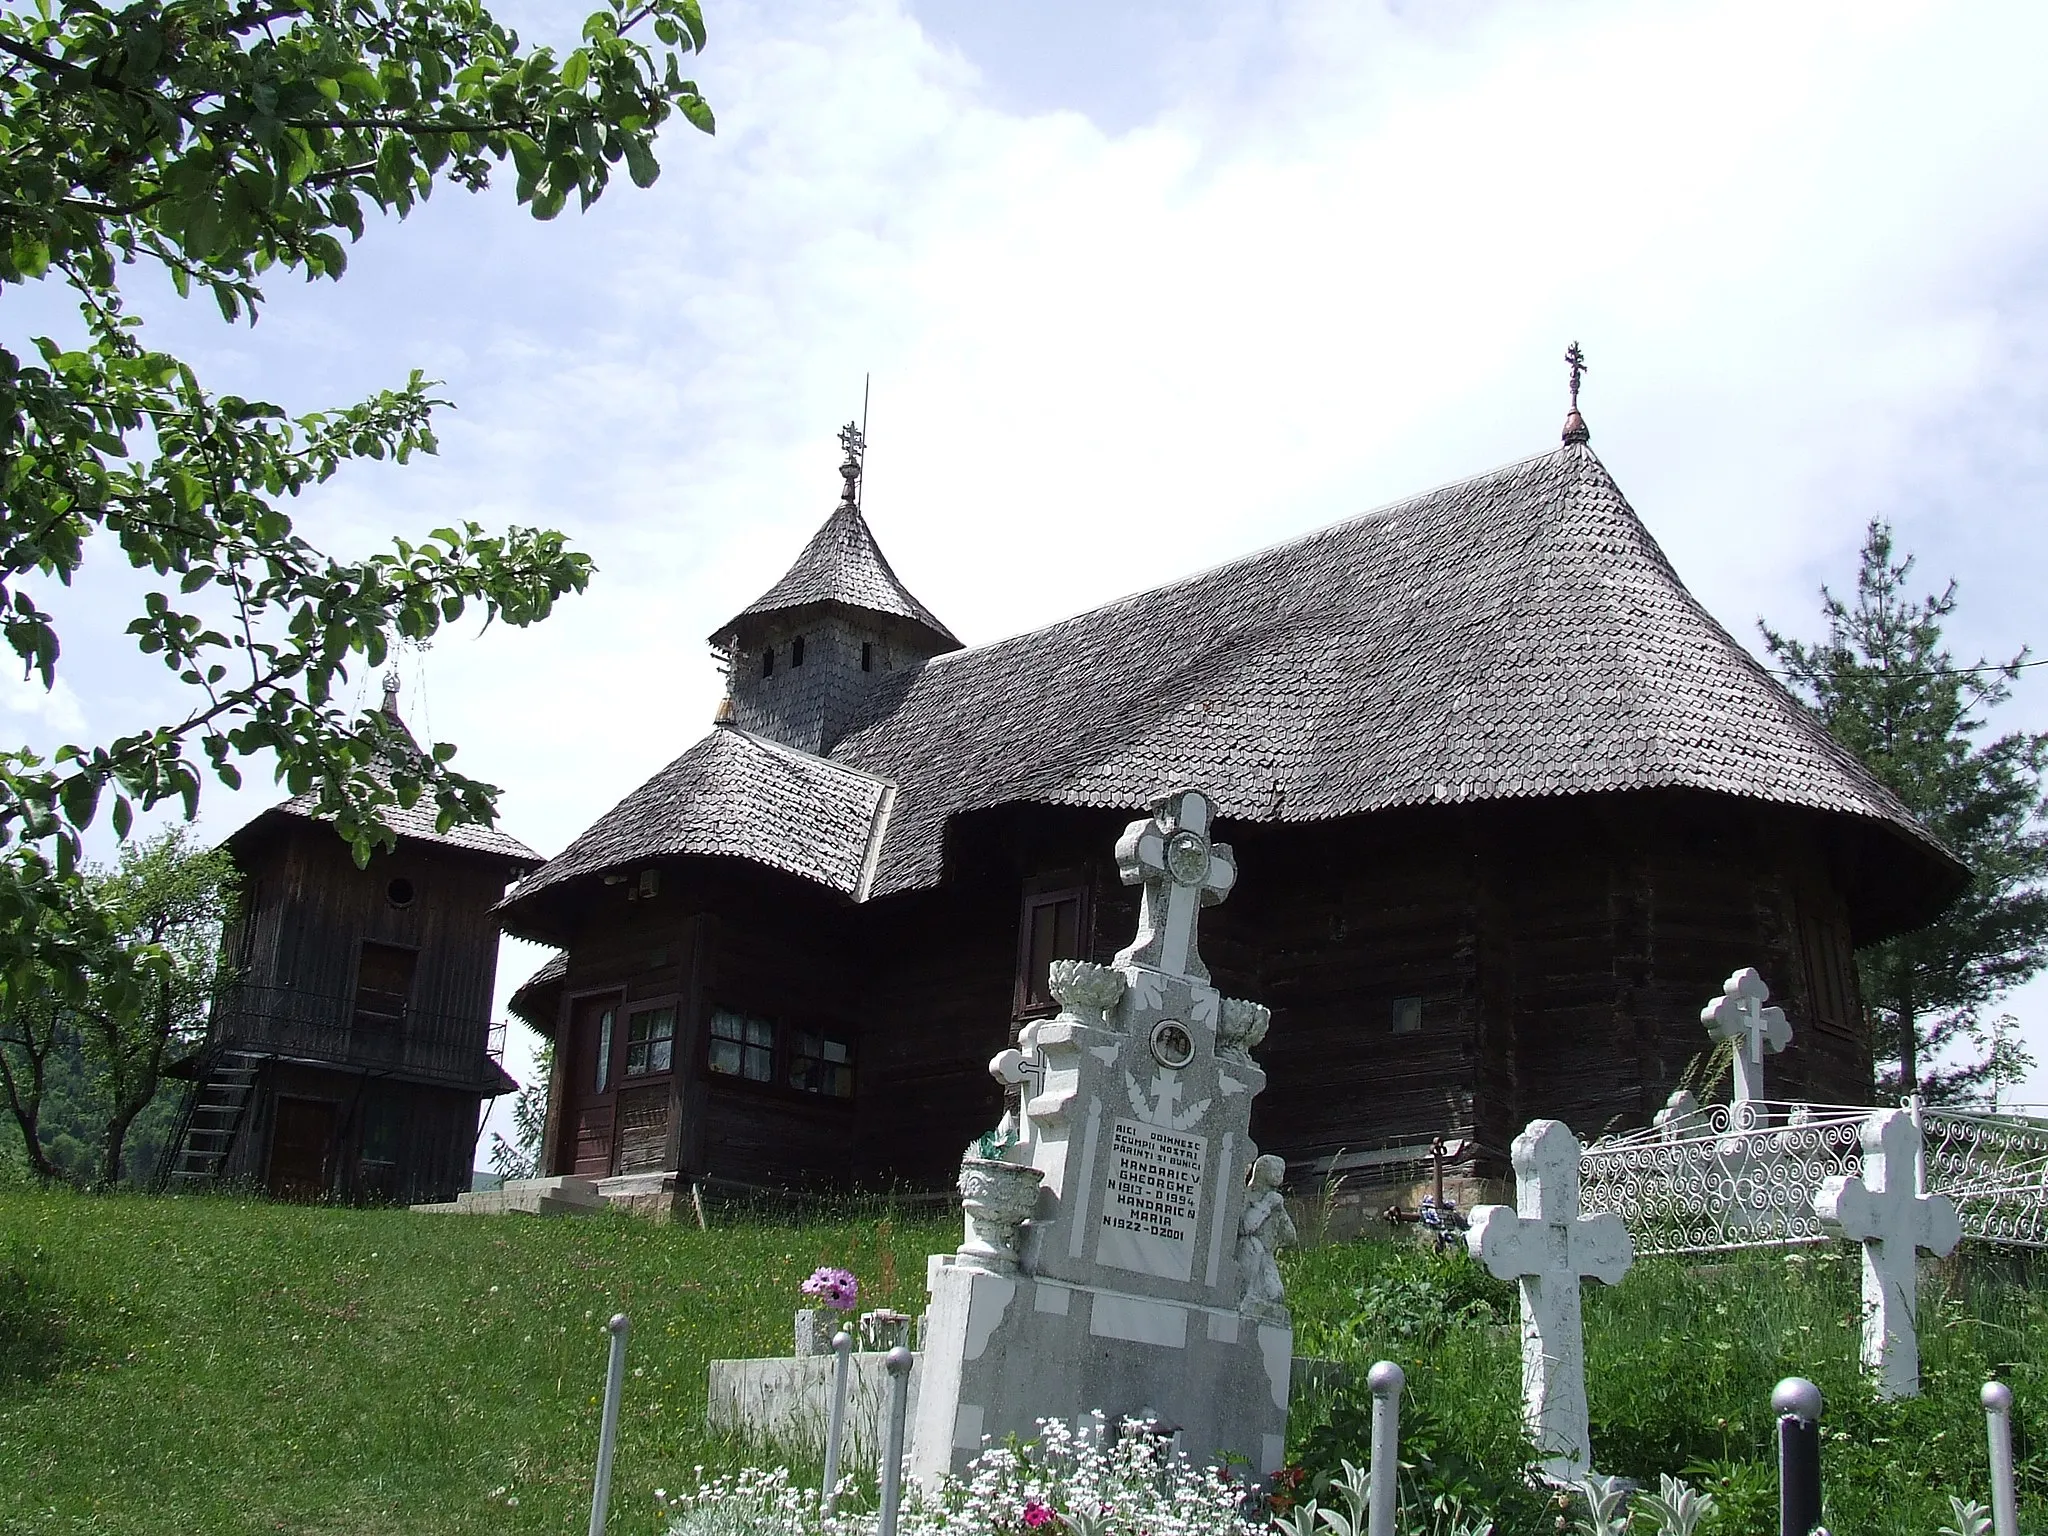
[433,1135]
[1560,952]
[310,909]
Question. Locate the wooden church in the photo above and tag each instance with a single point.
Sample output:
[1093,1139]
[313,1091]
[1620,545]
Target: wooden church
[350,1055]
[1508,805]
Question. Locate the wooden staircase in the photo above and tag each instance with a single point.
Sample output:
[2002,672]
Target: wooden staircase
[213,1114]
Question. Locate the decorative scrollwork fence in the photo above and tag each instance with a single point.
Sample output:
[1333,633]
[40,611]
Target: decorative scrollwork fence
[1743,1175]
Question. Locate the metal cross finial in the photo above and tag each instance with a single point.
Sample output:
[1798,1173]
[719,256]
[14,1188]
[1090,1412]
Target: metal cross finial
[855,442]
[1575,359]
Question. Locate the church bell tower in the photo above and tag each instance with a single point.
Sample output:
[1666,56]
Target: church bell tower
[806,657]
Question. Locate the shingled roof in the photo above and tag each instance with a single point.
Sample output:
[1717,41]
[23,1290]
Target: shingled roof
[843,565]
[1512,636]
[746,797]
[415,822]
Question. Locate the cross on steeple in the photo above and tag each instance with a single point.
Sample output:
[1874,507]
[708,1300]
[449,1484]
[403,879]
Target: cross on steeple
[1575,424]
[1182,871]
[855,443]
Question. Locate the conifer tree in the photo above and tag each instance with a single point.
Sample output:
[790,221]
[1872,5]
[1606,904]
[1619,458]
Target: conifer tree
[1888,689]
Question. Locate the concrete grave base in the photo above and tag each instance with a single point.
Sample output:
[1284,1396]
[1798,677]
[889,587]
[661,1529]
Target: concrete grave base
[784,1403]
[1003,1351]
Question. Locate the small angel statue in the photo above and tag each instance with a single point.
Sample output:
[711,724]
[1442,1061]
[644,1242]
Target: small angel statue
[1264,1227]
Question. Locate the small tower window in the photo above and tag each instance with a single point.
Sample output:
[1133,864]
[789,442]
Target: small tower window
[1407,1015]
[768,662]
[867,656]
[796,651]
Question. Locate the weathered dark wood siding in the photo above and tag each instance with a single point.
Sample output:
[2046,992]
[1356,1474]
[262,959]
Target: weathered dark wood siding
[1560,950]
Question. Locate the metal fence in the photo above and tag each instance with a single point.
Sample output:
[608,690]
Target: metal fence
[1743,1175]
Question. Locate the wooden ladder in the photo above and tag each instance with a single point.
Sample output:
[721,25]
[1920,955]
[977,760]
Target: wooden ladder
[213,1115]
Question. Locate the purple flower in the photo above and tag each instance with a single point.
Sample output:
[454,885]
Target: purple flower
[1036,1514]
[835,1287]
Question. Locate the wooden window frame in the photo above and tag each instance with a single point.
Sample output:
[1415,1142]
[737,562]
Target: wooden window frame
[781,1055]
[1043,891]
[824,1034]
[404,1016]
[673,1001]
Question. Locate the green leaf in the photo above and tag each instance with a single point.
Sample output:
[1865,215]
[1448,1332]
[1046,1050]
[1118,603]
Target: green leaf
[693,18]
[697,111]
[640,163]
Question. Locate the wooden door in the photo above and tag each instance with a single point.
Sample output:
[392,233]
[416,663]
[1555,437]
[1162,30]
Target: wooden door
[592,1096]
[301,1149]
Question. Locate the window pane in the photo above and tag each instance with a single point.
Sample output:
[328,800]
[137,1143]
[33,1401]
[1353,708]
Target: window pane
[821,1064]
[650,1041]
[740,1046]
[604,1051]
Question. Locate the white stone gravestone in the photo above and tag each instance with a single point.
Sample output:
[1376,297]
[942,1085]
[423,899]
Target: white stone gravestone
[1740,1014]
[1884,1210]
[1120,1223]
[1545,1245]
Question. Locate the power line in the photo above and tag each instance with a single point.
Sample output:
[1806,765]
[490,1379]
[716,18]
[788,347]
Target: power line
[1989,666]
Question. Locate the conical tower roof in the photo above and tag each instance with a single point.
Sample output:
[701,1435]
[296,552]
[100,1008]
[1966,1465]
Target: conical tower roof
[844,567]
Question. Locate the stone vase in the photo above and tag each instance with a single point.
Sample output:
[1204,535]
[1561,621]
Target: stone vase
[997,1198]
[1087,990]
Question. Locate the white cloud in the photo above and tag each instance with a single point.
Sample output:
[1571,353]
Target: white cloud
[47,712]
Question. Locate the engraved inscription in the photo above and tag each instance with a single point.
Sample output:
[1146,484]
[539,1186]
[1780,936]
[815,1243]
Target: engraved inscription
[1152,1200]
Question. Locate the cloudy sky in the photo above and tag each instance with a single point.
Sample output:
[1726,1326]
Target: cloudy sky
[1143,286]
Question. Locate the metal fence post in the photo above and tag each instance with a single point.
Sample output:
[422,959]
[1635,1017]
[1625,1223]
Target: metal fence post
[608,1427]
[898,1363]
[835,1427]
[1797,1402]
[1385,1381]
[1997,1399]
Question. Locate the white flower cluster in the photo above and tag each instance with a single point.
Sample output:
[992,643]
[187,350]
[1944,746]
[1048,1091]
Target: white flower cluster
[1069,1483]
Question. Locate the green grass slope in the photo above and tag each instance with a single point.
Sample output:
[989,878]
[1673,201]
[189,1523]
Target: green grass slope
[228,1366]
[216,1365]
[1681,1358]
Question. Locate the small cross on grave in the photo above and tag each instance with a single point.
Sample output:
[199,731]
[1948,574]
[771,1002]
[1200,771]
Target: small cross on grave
[1013,1069]
[1545,1245]
[1182,871]
[1885,1212]
[1739,1014]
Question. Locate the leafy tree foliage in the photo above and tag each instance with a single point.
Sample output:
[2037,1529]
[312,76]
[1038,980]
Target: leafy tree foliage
[94,1055]
[1889,690]
[218,141]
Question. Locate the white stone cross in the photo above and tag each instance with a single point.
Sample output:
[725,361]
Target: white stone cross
[1739,1014]
[1545,1245]
[1884,1211]
[1170,854]
[1013,1069]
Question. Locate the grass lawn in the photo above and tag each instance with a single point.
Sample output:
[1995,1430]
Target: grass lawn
[226,1366]
[215,1365]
